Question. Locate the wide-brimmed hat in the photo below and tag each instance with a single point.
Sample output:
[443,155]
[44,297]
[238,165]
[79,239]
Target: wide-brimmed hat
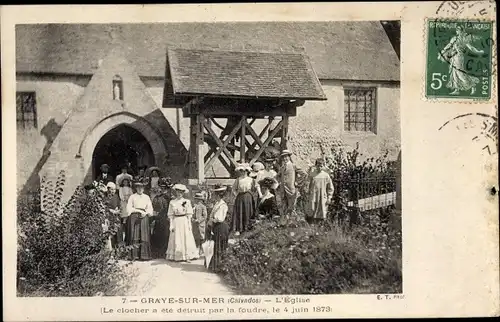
[180,187]
[104,166]
[151,169]
[268,182]
[111,185]
[124,177]
[285,152]
[138,183]
[219,187]
[257,166]
[165,182]
[244,167]
[199,195]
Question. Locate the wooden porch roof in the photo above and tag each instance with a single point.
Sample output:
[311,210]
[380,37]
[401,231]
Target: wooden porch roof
[243,74]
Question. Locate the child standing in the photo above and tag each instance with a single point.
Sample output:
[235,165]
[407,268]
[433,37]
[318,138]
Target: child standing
[199,220]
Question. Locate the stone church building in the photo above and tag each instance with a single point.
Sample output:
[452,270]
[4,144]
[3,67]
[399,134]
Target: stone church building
[90,94]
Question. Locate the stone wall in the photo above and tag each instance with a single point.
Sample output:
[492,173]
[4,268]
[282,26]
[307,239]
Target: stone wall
[316,122]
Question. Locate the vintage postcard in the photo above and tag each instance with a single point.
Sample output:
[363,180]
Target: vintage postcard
[242,161]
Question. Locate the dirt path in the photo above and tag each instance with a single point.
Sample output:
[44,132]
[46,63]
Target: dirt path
[164,278]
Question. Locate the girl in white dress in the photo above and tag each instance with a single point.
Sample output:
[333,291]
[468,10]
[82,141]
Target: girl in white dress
[181,243]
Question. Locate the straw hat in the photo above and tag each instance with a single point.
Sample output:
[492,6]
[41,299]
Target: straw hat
[257,166]
[180,187]
[285,152]
[219,187]
[199,195]
[244,167]
[124,177]
[104,166]
[138,183]
[111,185]
[151,169]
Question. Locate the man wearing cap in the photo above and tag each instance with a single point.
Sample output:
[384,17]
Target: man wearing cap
[104,177]
[320,193]
[287,183]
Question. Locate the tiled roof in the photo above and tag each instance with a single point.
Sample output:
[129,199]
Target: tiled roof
[348,50]
[243,74]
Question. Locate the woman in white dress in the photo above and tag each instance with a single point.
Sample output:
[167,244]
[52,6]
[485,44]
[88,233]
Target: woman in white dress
[181,243]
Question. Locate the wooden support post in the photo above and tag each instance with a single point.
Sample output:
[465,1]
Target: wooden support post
[200,148]
[284,133]
[243,138]
[193,148]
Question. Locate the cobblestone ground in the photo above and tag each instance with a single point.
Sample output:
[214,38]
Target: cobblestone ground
[160,277]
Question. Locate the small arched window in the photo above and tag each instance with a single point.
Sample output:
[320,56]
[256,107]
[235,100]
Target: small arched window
[117,88]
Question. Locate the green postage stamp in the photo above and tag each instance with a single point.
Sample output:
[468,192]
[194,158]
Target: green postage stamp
[459,59]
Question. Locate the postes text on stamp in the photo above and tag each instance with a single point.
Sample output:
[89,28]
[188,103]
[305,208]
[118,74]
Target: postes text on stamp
[459,59]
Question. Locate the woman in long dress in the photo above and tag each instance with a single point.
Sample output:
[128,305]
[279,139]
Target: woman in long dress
[219,231]
[161,230]
[455,54]
[139,208]
[244,204]
[181,244]
[124,181]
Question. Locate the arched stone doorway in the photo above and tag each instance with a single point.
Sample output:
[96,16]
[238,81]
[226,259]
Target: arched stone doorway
[108,128]
[122,145]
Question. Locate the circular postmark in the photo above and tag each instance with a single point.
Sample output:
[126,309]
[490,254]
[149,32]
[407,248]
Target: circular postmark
[480,127]
[476,9]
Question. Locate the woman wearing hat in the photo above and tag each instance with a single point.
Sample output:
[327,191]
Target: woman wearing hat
[244,204]
[151,182]
[267,208]
[124,182]
[181,244]
[139,208]
[219,231]
[161,231]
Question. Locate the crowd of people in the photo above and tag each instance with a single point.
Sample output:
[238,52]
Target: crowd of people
[157,220]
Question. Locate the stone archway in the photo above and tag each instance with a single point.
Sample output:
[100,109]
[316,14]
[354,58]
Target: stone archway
[99,130]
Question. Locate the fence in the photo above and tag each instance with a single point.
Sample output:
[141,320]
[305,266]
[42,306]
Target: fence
[366,191]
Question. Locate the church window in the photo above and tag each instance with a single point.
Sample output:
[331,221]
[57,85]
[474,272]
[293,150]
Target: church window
[360,110]
[26,109]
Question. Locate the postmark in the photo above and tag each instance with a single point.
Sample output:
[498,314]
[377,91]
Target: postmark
[476,9]
[459,59]
[480,127]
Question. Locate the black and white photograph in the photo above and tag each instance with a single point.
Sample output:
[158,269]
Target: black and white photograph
[208,159]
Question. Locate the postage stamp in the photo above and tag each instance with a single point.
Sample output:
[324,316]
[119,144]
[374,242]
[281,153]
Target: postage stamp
[459,59]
